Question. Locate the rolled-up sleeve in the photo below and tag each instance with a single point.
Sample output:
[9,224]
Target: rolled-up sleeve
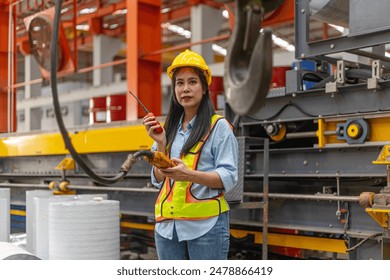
[153,178]
[154,181]
[226,156]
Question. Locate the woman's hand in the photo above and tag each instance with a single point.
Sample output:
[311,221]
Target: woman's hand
[151,125]
[182,173]
[178,173]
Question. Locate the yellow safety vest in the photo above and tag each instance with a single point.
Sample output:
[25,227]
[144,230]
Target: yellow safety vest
[176,202]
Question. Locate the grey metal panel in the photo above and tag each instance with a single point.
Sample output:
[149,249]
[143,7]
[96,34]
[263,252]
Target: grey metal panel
[236,194]
[369,250]
[317,163]
[331,11]
[101,163]
[305,49]
[368,16]
[352,99]
[141,203]
[293,82]
[309,216]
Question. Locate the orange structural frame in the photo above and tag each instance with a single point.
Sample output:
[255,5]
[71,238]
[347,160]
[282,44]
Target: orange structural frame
[7,103]
[143,35]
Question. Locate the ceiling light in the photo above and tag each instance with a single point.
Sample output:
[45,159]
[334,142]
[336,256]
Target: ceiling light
[225,14]
[283,43]
[177,29]
[119,12]
[87,11]
[83,27]
[218,49]
[165,10]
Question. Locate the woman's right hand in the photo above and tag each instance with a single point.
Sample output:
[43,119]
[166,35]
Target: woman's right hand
[151,125]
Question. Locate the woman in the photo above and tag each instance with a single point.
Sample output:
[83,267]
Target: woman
[192,219]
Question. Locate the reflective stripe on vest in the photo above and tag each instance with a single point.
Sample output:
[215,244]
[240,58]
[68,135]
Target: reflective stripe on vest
[176,202]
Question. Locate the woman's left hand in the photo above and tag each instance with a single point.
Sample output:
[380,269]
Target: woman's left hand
[178,173]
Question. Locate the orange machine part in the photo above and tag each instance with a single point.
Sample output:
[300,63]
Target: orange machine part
[66,64]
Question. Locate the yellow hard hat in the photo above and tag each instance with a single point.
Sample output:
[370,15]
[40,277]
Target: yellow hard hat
[192,59]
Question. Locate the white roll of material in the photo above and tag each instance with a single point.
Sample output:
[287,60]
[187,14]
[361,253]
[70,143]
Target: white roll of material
[5,223]
[30,217]
[84,230]
[41,214]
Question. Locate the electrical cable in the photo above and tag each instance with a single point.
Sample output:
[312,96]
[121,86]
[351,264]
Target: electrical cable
[363,241]
[313,76]
[57,111]
[321,84]
[363,74]
[282,109]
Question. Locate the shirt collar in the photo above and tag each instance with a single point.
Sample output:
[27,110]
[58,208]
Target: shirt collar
[189,125]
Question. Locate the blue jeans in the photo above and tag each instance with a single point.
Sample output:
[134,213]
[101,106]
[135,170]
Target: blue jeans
[214,245]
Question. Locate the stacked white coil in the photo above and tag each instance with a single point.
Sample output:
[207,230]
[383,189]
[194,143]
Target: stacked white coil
[41,214]
[5,227]
[30,217]
[84,230]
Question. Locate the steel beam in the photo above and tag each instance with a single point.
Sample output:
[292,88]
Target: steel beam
[143,35]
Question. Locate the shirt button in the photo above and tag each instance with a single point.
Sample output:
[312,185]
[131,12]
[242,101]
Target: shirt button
[172,207]
[171,213]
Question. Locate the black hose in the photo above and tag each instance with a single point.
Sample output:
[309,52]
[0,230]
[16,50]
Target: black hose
[57,111]
[363,74]
[322,84]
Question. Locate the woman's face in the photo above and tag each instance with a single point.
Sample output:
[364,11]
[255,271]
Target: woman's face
[188,88]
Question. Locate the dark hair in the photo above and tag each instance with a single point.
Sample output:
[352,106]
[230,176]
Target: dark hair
[203,117]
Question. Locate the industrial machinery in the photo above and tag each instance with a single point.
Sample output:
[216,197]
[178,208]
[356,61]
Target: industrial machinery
[314,179]
[328,132]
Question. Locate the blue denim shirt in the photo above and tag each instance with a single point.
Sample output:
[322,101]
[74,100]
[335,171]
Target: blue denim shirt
[219,154]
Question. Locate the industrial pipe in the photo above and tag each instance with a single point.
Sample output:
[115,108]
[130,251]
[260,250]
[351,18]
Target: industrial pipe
[306,197]
[308,134]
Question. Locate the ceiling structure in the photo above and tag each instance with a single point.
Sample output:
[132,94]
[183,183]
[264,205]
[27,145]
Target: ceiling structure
[82,19]
[109,17]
